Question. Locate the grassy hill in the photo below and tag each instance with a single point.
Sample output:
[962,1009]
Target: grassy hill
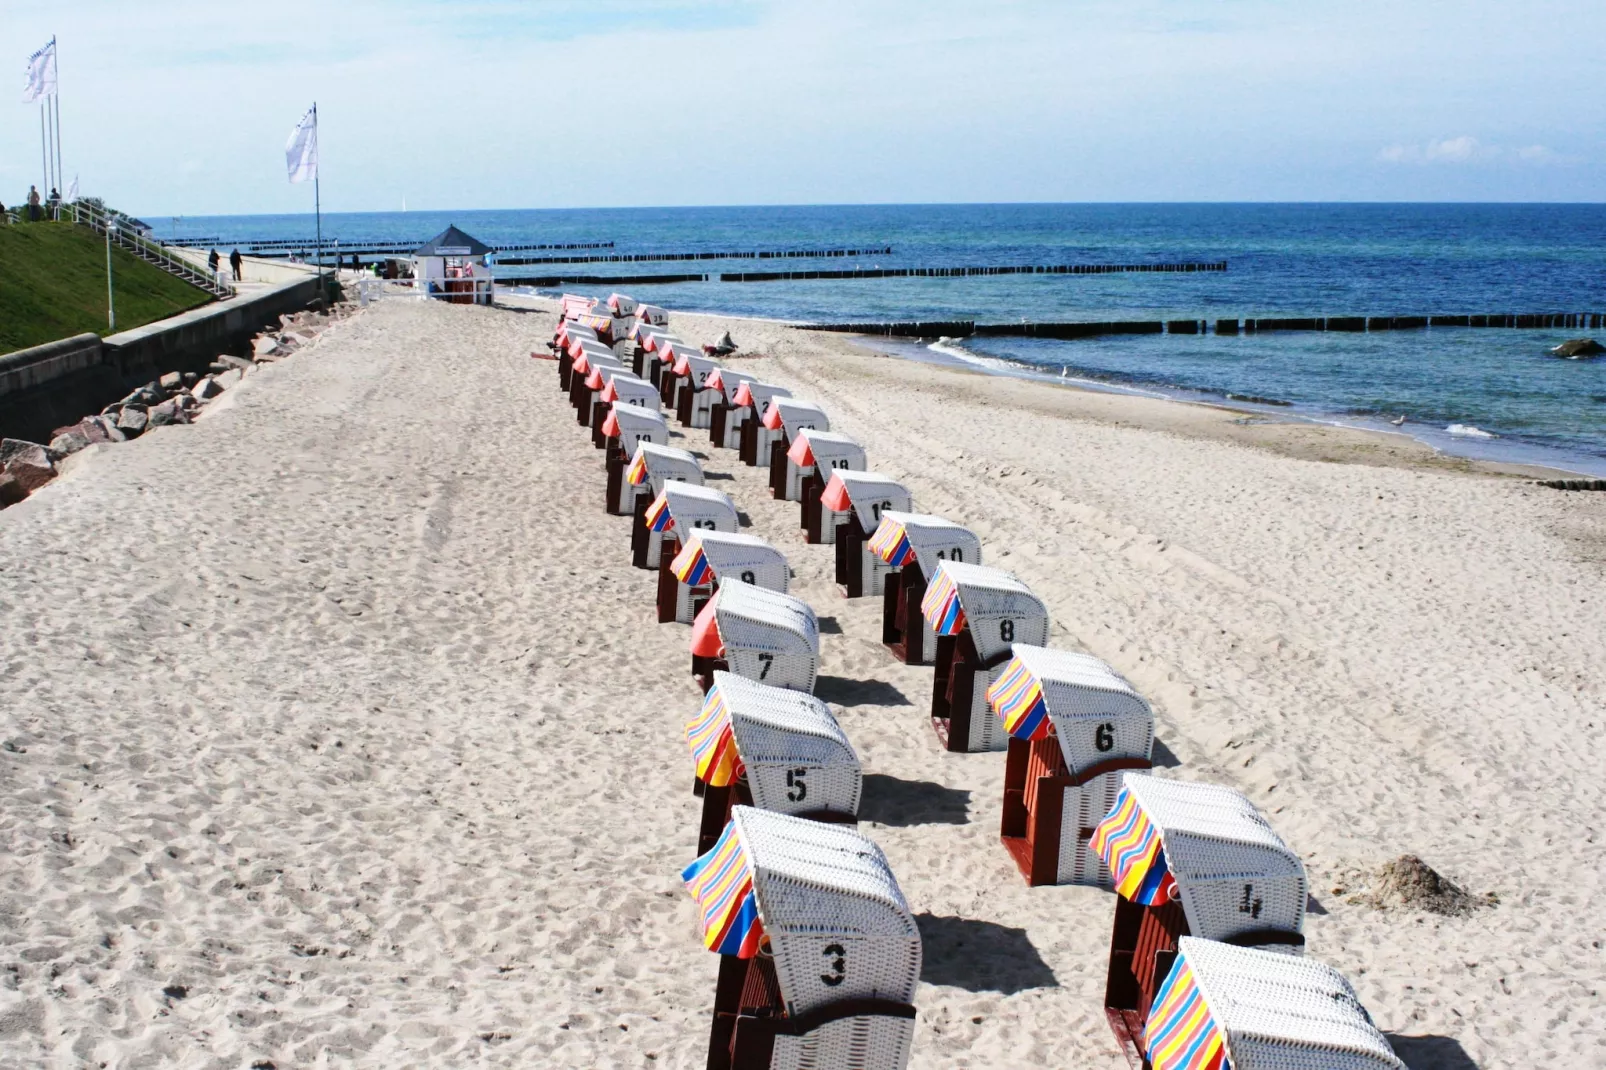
[53,285]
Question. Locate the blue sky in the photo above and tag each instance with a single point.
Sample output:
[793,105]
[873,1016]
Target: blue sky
[184,106]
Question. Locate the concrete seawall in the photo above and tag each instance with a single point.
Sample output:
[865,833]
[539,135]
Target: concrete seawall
[57,383]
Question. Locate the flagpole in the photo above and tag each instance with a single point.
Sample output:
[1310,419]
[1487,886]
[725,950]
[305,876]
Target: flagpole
[317,201]
[44,151]
[56,56]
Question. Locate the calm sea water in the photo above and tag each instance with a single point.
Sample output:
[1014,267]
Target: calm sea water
[1284,260]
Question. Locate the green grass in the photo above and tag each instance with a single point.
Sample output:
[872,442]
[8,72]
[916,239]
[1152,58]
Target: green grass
[53,285]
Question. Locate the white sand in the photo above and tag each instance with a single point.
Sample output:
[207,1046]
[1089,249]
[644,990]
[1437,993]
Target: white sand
[343,710]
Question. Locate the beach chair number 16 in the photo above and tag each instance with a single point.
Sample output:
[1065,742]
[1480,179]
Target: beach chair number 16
[766,660]
[839,965]
[796,789]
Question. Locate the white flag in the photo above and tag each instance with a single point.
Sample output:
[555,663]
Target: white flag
[301,154]
[41,74]
[72,191]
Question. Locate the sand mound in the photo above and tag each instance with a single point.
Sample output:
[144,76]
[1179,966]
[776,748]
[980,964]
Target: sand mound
[1409,883]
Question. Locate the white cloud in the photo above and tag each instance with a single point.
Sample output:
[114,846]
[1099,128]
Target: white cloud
[1463,150]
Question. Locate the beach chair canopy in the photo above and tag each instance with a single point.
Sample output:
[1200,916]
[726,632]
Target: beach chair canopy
[999,609]
[697,368]
[643,332]
[923,539]
[632,423]
[764,635]
[602,322]
[795,756]
[1096,715]
[602,373]
[826,449]
[757,394]
[583,345]
[629,390]
[686,507]
[575,305]
[792,416]
[870,495]
[673,349]
[652,314]
[824,900]
[622,305]
[1224,1006]
[713,556]
[1208,848]
[727,382]
[652,465]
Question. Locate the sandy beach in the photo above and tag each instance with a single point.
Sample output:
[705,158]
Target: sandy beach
[338,730]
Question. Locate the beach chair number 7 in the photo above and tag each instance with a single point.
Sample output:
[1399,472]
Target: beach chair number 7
[766,660]
[1250,904]
[839,965]
[797,790]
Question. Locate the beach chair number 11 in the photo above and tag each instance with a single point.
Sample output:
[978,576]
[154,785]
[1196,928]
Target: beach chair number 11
[839,965]
[766,660]
[796,789]
[1250,904]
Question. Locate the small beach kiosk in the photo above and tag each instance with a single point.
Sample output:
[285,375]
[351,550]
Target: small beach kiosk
[678,509]
[1222,1007]
[910,545]
[978,614]
[1076,727]
[763,635]
[848,514]
[778,750]
[707,557]
[627,427]
[819,953]
[1189,859]
[452,266]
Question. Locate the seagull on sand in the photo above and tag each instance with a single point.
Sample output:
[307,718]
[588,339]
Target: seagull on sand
[1399,421]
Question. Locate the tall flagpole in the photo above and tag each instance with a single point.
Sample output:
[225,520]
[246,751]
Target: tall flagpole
[56,57]
[317,203]
[44,145]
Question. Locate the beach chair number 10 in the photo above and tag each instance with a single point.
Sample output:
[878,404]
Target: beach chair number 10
[766,660]
[839,965]
[796,789]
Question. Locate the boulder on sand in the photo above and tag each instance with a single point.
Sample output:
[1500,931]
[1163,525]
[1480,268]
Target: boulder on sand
[1578,349]
[26,462]
[132,421]
[206,389]
[171,381]
[68,443]
[169,412]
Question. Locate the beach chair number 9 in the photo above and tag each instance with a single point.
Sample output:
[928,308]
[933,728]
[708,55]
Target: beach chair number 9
[748,577]
[766,660]
[1006,630]
[1104,736]
[796,789]
[838,957]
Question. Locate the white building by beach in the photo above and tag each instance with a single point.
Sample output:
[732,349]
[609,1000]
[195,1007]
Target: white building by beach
[452,266]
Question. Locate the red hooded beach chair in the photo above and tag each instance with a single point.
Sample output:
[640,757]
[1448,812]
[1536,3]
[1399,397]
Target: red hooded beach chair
[748,405]
[627,427]
[908,545]
[763,635]
[689,579]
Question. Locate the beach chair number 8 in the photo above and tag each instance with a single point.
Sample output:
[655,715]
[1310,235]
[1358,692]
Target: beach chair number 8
[766,660]
[1104,736]
[748,577]
[797,790]
[1006,630]
[839,965]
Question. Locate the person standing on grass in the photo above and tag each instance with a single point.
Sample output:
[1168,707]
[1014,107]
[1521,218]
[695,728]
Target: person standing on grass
[33,204]
[235,264]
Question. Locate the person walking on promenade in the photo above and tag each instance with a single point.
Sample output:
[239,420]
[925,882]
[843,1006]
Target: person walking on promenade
[236,263]
[33,204]
[212,262]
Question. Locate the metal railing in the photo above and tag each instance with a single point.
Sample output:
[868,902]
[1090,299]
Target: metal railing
[151,252]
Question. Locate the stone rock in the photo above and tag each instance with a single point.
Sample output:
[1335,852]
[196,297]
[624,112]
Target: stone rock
[68,444]
[100,429]
[169,412]
[112,410]
[239,363]
[262,344]
[190,378]
[146,396]
[230,379]
[1579,349]
[206,389]
[271,357]
[27,462]
[132,421]
[171,381]
[11,491]
[187,402]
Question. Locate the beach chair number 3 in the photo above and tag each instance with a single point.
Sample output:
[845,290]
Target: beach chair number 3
[796,789]
[766,660]
[838,956]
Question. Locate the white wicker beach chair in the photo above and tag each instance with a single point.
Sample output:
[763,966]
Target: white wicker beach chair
[724,426]
[910,545]
[652,314]
[1190,859]
[763,635]
[567,342]
[626,427]
[1223,1006]
[694,400]
[650,467]
[749,404]
[810,454]
[591,372]
[820,955]
[978,614]
[1075,726]
[622,305]
[672,351]
[707,556]
[680,509]
[847,515]
[778,750]
[778,425]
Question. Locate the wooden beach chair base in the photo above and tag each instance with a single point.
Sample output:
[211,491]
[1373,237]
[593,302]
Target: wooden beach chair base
[639,535]
[599,416]
[747,445]
[850,554]
[718,418]
[615,464]
[565,371]
[954,689]
[778,463]
[1035,782]
[703,669]
[902,625]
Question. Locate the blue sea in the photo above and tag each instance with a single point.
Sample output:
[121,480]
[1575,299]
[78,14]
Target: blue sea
[1283,260]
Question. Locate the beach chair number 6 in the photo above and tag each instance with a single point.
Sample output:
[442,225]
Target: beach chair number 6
[797,790]
[1006,630]
[1250,904]
[1104,736]
[766,660]
[839,965]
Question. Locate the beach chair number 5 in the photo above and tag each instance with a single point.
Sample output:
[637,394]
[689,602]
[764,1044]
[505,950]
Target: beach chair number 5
[766,660]
[1104,736]
[796,789]
[1250,904]
[838,965]
[1006,630]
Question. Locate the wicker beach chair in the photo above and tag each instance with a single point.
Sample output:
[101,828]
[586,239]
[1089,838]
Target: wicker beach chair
[819,953]
[644,338]
[978,614]
[588,389]
[690,578]
[782,419]
[627,427]
[654,342]
[670,378]
[763,635]
[909,545]
[849,512]
[1075,726]
[652,314]
[778,750]
[1189,859]
[680,508]
[724,428]
[622,305]
[567,343]
[694,399]
[588,356]
[1223,1007]
[808,452]
[620,388]
[651,466]
[748,405]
